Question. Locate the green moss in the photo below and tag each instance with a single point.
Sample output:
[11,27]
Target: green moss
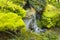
[10,21]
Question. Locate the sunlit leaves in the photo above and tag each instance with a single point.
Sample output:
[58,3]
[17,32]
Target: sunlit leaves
[9,6]
[10,21]
[50,16]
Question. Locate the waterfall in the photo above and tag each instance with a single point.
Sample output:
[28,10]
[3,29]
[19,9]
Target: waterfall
[30,21]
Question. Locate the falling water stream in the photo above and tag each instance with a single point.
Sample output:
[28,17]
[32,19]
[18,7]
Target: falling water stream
[30,21]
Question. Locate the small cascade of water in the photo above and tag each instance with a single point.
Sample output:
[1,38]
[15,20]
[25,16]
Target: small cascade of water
[36,28]
[30,21]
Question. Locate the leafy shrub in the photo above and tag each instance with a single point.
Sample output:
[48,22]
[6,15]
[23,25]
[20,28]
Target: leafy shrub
[51,1]
[19,2]
[56,3]
[58,23]
[9,6]
[50,16]
[10,21]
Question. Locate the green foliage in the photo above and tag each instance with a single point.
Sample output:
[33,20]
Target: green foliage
[51,1]
[58,23]
[56,3]
[49,35]
[19,2]
[50,16]
[39,24]
[10,21]
[29,35]
[38,4]
[9,6]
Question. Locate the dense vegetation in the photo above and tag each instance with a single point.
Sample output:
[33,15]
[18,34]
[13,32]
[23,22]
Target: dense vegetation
[51,16]
[12,13]
[10,21]
[9,6]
